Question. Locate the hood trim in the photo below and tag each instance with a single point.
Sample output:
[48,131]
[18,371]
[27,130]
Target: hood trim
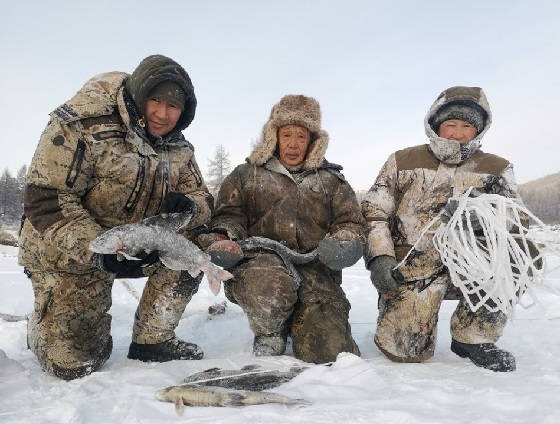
[449,151]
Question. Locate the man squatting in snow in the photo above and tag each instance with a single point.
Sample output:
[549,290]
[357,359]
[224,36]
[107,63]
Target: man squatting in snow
[413,187]
[288,192]
[111,155]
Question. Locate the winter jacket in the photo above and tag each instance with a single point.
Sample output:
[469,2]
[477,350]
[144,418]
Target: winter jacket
[95,168]
[263,198]
[415,184]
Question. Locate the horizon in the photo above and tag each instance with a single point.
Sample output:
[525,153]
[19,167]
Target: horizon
[375,68]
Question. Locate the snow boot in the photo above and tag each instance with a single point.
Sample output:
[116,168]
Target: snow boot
[485,355]
[169,350]
[269,344]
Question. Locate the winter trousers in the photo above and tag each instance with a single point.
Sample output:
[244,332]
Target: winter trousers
[407,321]
[69,329]
[315,314]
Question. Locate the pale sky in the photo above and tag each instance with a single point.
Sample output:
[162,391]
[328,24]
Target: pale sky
[374,66]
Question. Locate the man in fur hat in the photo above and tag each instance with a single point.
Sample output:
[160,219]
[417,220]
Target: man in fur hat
[111,155]
[288,192]
[413,187]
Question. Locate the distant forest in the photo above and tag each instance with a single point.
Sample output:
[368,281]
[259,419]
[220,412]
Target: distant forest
[11,196]
[542,197]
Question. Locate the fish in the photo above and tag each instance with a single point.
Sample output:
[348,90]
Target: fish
[288,256]
[250,377]
[197,395]
[160,232]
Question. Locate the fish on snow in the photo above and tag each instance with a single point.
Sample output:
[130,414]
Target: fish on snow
[196,395]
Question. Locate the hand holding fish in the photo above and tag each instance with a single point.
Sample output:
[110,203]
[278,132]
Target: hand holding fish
[159,233]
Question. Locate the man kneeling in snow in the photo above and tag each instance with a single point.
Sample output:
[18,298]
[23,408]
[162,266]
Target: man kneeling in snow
[113,154]
[411,189]
[288,192]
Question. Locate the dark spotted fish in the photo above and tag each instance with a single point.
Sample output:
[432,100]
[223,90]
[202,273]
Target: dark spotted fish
[250,377]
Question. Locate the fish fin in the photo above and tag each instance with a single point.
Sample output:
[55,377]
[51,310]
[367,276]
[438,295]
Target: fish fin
[175,264]
[174,221]
[215,286]
[250,367]
[236,399]
[179,407]
[215,276]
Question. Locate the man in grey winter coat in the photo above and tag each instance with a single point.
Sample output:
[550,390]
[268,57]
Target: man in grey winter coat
[111,155]
[413,187]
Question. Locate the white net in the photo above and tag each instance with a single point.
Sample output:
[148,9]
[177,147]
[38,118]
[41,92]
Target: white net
[496,265]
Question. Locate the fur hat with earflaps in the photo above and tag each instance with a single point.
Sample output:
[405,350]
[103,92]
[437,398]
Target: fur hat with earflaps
[293,110]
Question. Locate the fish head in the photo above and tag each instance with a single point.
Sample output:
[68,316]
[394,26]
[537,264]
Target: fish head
[117,240]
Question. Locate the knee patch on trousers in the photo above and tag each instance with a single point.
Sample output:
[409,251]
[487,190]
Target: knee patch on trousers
[320,332]
[405,346]
[92,365]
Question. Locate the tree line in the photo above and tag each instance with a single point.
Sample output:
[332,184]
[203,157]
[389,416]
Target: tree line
[11,195]
[541,196]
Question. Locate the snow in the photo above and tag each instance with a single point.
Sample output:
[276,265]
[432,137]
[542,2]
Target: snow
[370,389]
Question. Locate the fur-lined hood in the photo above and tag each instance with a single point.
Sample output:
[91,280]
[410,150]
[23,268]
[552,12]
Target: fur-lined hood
[450,151]
[293,110]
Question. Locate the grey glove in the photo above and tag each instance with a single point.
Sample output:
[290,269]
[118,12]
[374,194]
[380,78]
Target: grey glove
[382,274]
[339,254]
[449,210]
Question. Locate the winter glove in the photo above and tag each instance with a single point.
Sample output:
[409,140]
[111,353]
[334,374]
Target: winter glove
[225,253]
[382,274]
[339,254]
[205,239]
[449,210]
[175,202]
[113,264]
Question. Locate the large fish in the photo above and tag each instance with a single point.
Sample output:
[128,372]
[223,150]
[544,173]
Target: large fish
[250,377]
[160,233]
[195,395]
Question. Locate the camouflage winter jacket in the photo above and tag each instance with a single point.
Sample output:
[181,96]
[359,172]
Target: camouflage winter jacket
[263,198]
[415,183]
[94,169]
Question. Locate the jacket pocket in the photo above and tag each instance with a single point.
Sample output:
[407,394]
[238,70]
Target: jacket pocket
[139,183]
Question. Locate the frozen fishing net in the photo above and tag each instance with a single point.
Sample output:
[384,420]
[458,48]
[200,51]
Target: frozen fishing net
[496,265]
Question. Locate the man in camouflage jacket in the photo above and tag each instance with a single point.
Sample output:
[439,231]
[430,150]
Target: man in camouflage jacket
[113,154]
[411,189]
[288,192]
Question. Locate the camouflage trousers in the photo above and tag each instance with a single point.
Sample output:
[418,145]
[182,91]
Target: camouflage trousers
[70,328]
[407,322]
[315,315]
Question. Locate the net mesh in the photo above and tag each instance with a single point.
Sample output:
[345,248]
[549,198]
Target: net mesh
[496,265]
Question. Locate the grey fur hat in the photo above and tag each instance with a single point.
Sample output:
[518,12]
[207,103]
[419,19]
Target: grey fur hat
[464,110]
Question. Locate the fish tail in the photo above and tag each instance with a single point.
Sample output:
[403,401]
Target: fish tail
[215,276]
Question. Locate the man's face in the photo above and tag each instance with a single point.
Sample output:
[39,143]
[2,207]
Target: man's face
[455,129]
[161,116]
[293,142]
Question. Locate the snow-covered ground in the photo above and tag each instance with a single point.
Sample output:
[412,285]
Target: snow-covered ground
[370,389]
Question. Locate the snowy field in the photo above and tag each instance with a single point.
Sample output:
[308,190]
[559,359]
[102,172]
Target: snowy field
[370,389]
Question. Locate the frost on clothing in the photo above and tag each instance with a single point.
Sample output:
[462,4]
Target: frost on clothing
[411,189]
[297,208]
[96,168]
[414,185]
[93,170]
[160,234]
